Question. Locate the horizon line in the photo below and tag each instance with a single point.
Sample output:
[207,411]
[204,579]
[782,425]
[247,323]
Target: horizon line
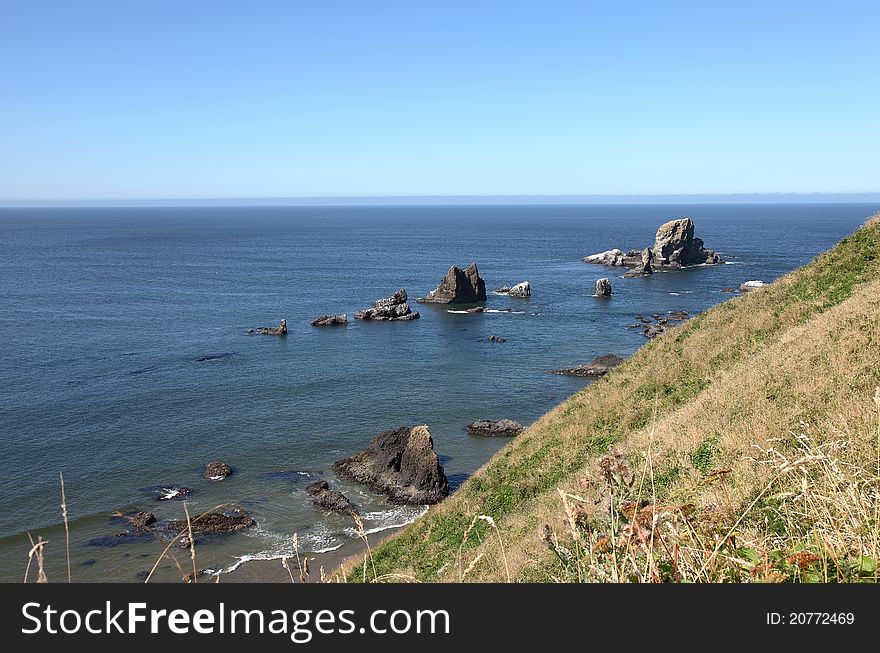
[464,199]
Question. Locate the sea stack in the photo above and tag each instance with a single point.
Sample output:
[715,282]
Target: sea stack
[603,288]
[675,246]
[401,464]
[388,309]
[458,287]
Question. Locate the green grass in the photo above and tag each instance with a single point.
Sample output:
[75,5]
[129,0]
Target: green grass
[664,376]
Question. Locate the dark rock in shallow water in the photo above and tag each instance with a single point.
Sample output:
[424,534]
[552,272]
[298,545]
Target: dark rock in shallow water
[217,470]
[458,287]
[389,309]
[597,367]
[214,522]
[331,320]
[142,520]
[172,492]
[652,329]
[506,428]
[327,499]
[192,577]
[603,288]
[400,463]
[280,330]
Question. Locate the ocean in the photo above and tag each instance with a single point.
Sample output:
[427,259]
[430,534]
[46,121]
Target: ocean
[106,311]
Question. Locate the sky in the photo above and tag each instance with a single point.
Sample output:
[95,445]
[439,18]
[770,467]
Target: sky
[124,100]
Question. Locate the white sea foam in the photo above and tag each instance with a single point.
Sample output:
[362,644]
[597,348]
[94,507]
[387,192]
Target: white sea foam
[383,520]
[488,310]
[280,545]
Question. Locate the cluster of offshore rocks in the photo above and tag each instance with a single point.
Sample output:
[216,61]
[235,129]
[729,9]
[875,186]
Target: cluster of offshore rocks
[657,324]
[675,247]
[458,286]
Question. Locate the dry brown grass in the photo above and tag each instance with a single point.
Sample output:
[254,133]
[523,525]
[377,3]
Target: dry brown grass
[686,414]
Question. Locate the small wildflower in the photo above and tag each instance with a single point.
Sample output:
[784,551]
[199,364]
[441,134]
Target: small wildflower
[803,559]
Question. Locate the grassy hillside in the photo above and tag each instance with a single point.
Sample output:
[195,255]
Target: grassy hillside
[741,445]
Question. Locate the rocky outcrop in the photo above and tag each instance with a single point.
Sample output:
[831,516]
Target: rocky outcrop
[280,330]
[645,265]
[458,287]
[658,323]
[521,289]
[504,428]
[217,470]
[594,369]
[388,309]
[331,320]
[603,288]
[214,522]
[326,499]
[401,464]
[749,286]
[674,247]
[140,521]
[609,257]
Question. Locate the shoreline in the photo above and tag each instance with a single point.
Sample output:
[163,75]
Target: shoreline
[272,571]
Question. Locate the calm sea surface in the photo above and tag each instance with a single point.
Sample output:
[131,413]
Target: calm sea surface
[106,311]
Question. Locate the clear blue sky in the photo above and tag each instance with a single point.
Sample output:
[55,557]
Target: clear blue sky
[254,99]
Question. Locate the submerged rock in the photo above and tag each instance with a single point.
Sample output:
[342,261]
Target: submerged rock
[217,470]
[388,309]
[651,328]
[506,428]
[594,369]
[458,287]
[521,289]
[603,288]
[401,464]
[191,577]
[214,357]
[327,499]
[280,330]
[330,320]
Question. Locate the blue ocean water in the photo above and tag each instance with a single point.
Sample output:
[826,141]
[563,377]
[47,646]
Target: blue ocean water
[105,312]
